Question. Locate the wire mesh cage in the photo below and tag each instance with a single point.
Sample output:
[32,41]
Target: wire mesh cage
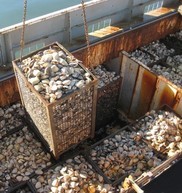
[107,99]
[64,122]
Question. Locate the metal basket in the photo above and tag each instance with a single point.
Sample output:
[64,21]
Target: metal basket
[107,100]
[65,122]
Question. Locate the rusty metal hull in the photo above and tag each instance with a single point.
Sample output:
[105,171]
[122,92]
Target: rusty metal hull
[109,48]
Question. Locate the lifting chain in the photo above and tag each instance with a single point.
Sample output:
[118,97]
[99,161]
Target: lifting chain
[86,35]
[23,29]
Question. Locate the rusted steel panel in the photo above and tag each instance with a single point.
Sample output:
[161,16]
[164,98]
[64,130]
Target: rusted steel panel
[109,48]
[178,104]
[8,92]
[165,93]
[129,70]
[143,93]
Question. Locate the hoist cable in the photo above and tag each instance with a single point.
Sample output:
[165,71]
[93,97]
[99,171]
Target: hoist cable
[22,42]
[86,36]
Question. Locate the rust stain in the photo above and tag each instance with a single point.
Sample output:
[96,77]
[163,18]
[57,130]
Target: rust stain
[110,48]
[147,90]
[178,102]
[167,97]
[10,93]
[143,93]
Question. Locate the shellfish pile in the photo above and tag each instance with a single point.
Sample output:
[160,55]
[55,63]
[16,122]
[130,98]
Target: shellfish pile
[162,130]
[142,56]
[152,53]
[75,175]
[10,118]
[122,154]
[54,73]
[20,156]
[104,76]
[177,35]
[158,50]
[173,74]
[163,57]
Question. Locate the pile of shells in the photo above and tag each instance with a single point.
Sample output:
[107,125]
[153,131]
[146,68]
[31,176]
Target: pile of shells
[177,35]
[20,156]
[104,77]
[158,50]
[120,155]
[143,57]
[10,118]
[54,74]
[173,74]
[75,175]
[152,53]
[162,60]
[175,61]
[162,130]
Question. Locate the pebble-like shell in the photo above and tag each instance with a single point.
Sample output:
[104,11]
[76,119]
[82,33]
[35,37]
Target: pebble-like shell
[51,64]
[161,130]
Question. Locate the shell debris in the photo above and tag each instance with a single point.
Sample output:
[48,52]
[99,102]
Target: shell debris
[53,71]
[162,130]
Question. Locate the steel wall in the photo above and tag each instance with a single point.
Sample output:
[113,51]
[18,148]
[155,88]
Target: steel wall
[110,47]
[142,90]
[9,92]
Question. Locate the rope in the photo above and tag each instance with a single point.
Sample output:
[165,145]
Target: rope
[86,35]
[23,29]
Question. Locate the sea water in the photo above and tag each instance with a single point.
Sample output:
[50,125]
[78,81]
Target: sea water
[11,11]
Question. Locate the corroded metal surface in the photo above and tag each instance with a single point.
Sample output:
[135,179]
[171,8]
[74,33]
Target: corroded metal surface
[8,92]
[165,93]
[146,91]
[110,47]
[129,71]
[143,93]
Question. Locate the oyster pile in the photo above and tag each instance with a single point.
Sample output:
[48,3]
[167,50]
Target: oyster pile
[152,53]
[122,154]
[175,61]
[173,74]
[104,76]
[54,73]
[10,118]
[162,130]
[177,35]
[158,50]
[163,57]
[75,175]
[20,156]
[143,57]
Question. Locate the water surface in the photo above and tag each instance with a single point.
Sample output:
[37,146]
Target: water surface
[11,11]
